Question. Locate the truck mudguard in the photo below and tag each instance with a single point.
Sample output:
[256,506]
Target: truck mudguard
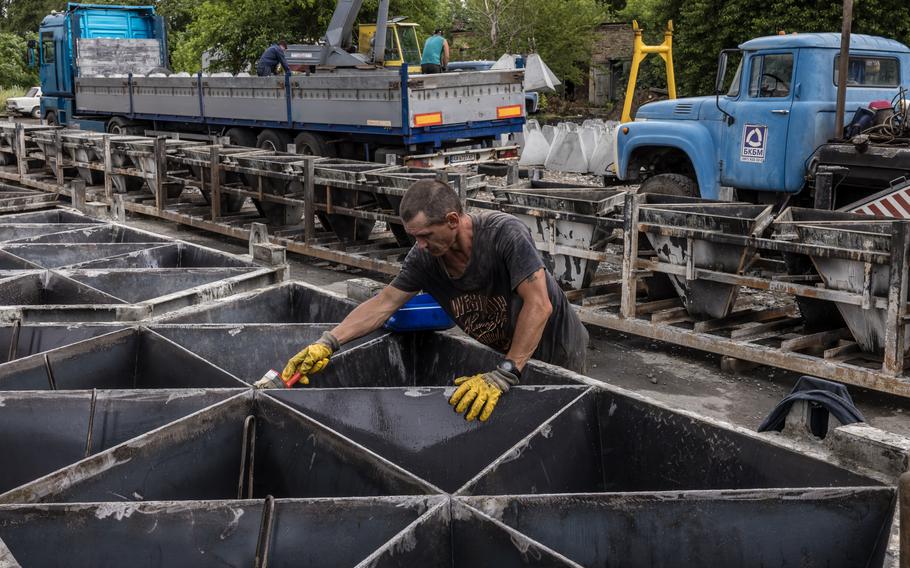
[690,137]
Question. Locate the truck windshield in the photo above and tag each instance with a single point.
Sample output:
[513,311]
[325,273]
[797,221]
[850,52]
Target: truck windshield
[409,46]
[33,92]
[870,72]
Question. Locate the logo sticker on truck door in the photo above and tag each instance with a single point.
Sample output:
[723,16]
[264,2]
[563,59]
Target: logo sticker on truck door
[755,137]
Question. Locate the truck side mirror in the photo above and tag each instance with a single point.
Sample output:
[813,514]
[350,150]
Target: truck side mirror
[721,72]
[30,53]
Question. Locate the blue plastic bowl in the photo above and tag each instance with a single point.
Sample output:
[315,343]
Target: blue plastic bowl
[421,313]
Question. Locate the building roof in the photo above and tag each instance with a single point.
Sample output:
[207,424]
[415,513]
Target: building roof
[824,40]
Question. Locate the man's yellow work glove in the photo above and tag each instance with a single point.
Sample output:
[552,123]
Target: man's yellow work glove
[312,359]
[481,393]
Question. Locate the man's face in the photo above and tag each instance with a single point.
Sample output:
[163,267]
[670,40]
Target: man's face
[436,239]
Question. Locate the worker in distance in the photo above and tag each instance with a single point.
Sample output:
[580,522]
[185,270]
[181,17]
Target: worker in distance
[435,56]
[486,273]
[271,58]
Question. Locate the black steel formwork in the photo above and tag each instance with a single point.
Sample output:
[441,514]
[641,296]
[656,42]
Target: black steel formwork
[143,445]
[59,265]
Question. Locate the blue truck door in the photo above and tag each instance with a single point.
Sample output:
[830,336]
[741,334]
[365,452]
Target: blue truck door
[48,71]
[755,146]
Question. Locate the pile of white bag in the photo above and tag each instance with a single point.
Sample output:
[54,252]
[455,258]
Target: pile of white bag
[569,147]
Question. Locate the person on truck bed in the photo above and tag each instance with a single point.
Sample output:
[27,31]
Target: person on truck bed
[271,58]
[435,54]
[486,273]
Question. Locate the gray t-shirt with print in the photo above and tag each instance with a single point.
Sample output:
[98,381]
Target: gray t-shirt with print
[483,301]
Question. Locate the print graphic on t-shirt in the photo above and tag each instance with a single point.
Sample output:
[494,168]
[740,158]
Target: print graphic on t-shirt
[485,318]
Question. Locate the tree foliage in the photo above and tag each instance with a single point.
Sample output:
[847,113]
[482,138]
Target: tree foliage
[13,68]
[704,27]
[562,32]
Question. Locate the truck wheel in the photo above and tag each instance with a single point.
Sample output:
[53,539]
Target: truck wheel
[275,140]
[277,214]
[670,184]
[51,118]
[242,137]
[120,125]
[312,144]
[36,112]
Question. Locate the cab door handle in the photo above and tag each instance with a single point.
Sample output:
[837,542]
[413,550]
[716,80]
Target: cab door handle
[780,111]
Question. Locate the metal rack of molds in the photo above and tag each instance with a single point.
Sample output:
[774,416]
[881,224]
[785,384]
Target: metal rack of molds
[343,211]
[61,265]
[841,312]
[696,272]
[152,428]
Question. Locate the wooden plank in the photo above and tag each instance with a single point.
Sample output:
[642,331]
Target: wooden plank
[739,318]
[755,352]
[761,330]
[894,348]
[646,308]
[820,339]
[215,182]
[844,348]
[613,299]
[672,315]
[630,255]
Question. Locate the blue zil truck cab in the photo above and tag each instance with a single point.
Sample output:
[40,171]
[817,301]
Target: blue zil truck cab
[764,135]
[106,67]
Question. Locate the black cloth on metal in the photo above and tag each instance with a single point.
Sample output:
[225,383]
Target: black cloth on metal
[833,397]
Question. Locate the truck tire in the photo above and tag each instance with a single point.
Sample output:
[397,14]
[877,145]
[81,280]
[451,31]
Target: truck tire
[51,118]
[345,228]
[275,140]
[312,144]
[121,125]
[234,203]
[670,184]
[242,137]
[36,112]
[276,214]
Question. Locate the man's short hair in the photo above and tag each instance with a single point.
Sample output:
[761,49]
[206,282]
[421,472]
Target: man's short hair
[437,31]
[283,44]
[431,197]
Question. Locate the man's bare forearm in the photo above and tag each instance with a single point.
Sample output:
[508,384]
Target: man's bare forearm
[528,331]
[532,319]
[370,315]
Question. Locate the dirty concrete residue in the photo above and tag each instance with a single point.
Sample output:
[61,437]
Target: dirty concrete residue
[418,392]
[232,525]
[119,511]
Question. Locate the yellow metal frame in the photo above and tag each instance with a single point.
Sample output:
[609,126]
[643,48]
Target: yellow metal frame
[639,52]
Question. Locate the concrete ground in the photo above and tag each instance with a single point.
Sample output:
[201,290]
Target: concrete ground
[677,376]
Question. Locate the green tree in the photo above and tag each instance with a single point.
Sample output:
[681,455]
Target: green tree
[13,69]
[561,32]
[23,17]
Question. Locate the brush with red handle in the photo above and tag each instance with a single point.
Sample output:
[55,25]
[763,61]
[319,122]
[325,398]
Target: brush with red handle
[273,380]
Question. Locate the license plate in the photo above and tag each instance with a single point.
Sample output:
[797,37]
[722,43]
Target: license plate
[462,158]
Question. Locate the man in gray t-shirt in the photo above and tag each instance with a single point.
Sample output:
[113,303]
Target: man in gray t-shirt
[485,271]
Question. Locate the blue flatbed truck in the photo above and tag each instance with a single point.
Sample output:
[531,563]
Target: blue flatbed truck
[106,68]
[770,133]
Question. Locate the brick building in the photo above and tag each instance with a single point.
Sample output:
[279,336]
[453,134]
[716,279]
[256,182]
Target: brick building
[610,61]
